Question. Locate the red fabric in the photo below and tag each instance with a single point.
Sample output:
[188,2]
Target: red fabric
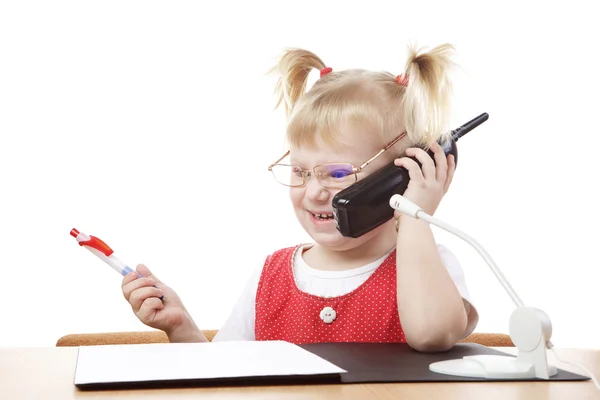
[367,314]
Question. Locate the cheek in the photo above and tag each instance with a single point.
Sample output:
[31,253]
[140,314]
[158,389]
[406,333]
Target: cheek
[296,196]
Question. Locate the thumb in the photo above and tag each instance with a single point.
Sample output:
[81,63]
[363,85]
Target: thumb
[145,272]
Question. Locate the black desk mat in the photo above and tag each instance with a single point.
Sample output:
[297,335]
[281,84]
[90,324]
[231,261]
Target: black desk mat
[397,362]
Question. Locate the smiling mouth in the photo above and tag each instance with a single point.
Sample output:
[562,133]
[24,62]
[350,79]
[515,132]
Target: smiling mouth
[322,216]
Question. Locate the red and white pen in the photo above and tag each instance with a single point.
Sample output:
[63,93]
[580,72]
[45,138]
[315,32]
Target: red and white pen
[103,252]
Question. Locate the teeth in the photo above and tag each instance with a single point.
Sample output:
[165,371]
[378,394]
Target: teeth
[324,216]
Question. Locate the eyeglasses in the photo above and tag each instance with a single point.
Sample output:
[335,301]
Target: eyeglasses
[333,175]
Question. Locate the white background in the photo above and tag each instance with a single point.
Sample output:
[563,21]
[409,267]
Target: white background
[151,125]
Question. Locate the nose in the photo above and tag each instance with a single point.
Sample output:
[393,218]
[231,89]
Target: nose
[315,192]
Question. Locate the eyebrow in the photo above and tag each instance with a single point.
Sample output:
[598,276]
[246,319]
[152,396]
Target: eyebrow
[338,161]
[332,159]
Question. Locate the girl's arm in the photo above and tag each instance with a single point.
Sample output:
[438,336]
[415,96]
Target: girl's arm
[432,311]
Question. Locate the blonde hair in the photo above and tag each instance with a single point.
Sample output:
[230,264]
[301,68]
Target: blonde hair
[380,101]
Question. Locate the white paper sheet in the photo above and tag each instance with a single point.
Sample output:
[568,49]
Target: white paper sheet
[175,361]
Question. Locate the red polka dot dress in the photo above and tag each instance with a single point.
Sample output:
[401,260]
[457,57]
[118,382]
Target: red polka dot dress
[367,314]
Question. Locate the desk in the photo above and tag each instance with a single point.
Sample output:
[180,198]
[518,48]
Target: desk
[47,373]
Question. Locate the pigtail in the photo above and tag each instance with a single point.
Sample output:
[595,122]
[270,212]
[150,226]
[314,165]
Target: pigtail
[427,96]
[293,70]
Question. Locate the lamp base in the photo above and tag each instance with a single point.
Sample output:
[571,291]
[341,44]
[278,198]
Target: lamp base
[489,367]
[530,330]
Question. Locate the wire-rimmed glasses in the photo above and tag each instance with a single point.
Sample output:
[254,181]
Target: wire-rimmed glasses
[331,175]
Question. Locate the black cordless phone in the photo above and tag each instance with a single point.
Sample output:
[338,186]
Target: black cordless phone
[365,205]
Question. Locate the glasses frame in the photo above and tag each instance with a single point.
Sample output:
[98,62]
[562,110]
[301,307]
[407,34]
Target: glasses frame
[307,172]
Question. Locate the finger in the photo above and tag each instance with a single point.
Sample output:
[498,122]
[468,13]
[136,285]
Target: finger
[427,165]
[140,295]
[450,174]
[128,278]
[441,163]
[136,284]
[144,271]
[149,308]
[414,171]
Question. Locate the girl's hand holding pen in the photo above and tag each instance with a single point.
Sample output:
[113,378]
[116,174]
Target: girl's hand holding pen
[144,295]
[153,302]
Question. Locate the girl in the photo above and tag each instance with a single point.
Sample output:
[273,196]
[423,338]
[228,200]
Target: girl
[393,284]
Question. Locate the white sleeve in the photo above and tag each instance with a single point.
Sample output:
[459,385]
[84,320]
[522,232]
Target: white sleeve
[240,324]
[456,273]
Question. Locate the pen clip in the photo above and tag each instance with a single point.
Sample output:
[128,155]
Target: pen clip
[91,241]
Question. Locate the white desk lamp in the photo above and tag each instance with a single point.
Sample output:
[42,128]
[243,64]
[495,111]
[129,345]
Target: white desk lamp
[529,328]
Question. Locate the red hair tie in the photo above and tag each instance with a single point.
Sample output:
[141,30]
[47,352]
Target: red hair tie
[402,79]
[325,71]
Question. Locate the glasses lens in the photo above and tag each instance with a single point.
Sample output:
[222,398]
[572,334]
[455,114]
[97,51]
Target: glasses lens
[336,175]
[288,175]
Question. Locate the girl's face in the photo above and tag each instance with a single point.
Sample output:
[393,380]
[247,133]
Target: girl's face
[312,202]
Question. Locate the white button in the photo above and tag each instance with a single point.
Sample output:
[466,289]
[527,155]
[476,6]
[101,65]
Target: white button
[328,315]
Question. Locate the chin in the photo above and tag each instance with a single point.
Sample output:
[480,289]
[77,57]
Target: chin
[333,239]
